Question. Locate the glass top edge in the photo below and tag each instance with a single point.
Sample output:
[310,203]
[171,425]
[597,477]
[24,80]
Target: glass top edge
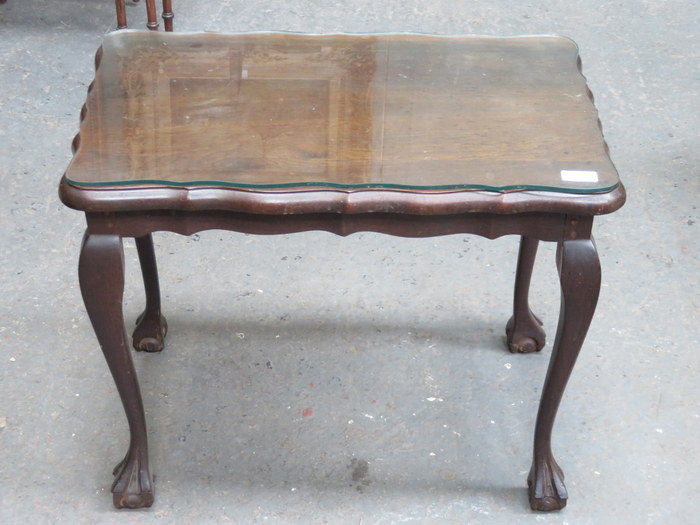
[466,36]
[320,186]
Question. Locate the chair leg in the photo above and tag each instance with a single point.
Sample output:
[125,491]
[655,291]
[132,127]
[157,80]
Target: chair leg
[151,326]
[168,15]
[152,15]
[121,13]
[579,274]
[524,333]
[101,272]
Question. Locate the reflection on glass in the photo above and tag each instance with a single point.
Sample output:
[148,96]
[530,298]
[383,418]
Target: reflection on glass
[389,111]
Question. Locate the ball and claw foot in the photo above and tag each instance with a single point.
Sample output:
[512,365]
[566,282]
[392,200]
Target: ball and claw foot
[546,486]
[150,331]
[132,488]
[527,337]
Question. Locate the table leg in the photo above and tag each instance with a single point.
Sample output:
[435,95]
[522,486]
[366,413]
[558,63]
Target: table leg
[524,333]
[101,272]
[151,326]
[579,274]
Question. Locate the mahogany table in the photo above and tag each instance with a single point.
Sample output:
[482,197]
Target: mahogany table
[275,133]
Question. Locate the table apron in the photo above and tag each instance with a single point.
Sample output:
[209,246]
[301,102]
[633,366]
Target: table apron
[543,226]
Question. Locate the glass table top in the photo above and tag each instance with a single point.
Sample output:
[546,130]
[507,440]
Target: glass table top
[269,111]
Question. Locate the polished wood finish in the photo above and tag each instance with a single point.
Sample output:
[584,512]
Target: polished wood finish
[524,333]
[579,273]
[101,272]
[151,326]
[396,112]
[399,134]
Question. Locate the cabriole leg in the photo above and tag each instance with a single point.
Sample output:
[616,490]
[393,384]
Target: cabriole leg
[101,272]
[524,333]
[579,274]
[151,326]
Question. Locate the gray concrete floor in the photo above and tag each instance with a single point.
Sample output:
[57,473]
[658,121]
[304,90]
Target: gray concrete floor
[315,379]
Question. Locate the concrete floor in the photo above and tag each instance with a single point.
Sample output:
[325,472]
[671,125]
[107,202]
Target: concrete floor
[316,379]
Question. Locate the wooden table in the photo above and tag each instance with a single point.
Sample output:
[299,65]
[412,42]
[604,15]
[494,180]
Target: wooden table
[405,135]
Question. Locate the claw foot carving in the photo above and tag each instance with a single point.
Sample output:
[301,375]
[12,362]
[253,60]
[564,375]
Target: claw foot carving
[526,336]
[150,331]
[546,486]
[132,488]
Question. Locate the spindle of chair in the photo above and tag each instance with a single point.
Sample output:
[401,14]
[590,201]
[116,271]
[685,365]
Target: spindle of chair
[168,14]
[151,14]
